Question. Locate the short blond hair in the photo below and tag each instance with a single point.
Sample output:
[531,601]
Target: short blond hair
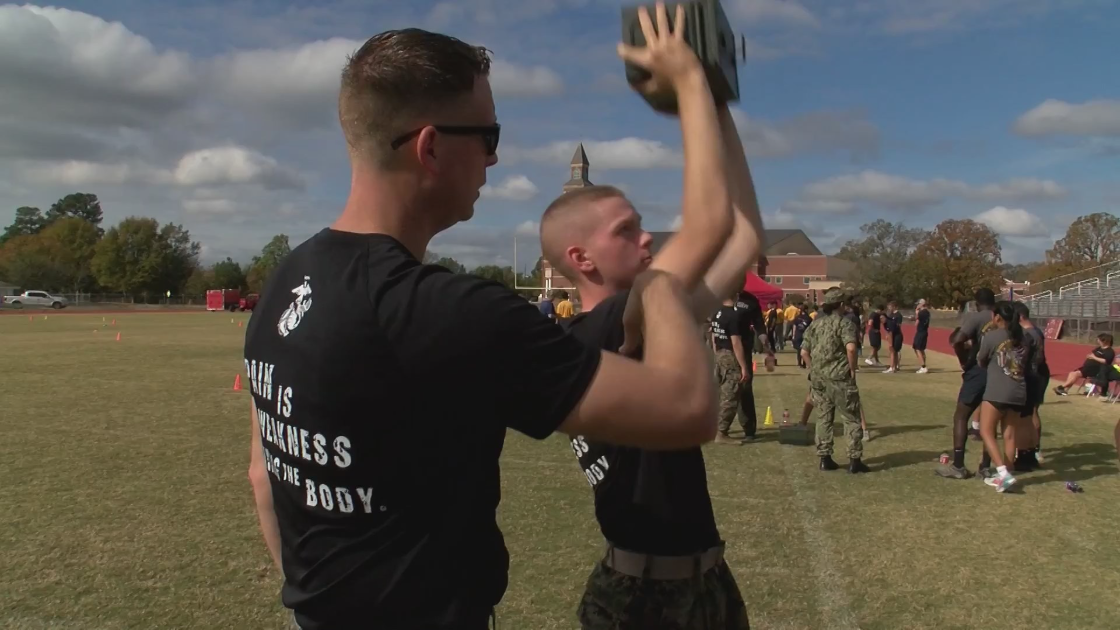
[561,224]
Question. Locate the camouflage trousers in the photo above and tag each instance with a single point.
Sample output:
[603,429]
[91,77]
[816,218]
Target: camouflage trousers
[616,601]
[729,380]
[831,398]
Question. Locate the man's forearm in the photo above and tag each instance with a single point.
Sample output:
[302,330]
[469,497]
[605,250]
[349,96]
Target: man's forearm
[706,221]
[745,243]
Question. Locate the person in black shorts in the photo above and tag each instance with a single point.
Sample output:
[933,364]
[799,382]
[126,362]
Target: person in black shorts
[875,334]
[973,379]
[921,333]
[893,324]
[1028,442]
[663,566]
[1094,368]
[376,501]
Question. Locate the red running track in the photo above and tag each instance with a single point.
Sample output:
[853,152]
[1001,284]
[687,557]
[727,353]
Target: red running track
[1062,356]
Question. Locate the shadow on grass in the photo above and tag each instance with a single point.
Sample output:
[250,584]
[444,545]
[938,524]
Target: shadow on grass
[900,459]
[887,431]
[1074,463]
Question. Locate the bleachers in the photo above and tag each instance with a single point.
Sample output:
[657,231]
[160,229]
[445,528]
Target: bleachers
[1094,299]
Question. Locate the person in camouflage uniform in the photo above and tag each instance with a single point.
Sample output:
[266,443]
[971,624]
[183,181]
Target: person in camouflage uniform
[829,347]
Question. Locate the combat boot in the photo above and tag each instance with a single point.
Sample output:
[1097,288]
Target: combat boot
[857,466]
[828,464]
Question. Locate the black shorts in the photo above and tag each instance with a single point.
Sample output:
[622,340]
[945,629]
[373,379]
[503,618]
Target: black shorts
[896,342]
[1024,411]
[876,340]
[1036,389]
[1090,369]
[920,341]
[973,383]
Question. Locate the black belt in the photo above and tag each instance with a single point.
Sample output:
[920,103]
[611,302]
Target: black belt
[654,567]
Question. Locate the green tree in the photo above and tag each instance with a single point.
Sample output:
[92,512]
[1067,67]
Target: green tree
[1090,240]
[139,257]
[84,206]
[269,259]
[28,221]
[451,264]
[26,261]
[958,257]
[71,242]
[228,274]
[882,257]
[503,275]
[200,281]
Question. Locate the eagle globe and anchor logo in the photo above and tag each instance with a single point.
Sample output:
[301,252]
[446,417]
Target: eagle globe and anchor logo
[293,315]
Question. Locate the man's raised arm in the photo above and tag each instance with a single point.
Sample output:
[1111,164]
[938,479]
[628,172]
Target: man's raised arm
[706,220]
[745,244]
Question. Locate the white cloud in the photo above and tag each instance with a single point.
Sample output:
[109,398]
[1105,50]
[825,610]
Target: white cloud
[512,188]
[788,11]
[820,206]
[82,173]
[625,153]
[510,79]
[234,165]
[902,193]
[1013,222]
[1054,117]
[209,206]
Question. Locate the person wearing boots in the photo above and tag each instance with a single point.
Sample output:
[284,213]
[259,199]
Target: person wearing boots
[829,347]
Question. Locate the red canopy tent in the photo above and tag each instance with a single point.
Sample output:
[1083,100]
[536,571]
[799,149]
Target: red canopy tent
[764,291]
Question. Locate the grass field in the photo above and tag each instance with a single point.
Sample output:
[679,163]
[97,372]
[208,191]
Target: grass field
[124,501]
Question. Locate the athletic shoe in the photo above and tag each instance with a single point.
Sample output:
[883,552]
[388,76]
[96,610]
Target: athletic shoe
[922,371]
[869,361]
[1061,391]
[1002,483]
[888,371]
[986,473]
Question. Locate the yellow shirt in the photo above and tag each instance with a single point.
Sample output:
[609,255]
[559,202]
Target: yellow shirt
[791,312]
[564,309]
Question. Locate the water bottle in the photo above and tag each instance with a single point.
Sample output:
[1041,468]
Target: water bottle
[785,416]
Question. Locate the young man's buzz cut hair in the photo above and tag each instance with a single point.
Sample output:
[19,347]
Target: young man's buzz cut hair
[397,77]
[564,223]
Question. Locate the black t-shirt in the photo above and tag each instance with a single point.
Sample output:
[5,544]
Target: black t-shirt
[876,323]
[853,317]
[750,318]
[923,323]
[725,324]
[653,502]
[894,324]
[384,388]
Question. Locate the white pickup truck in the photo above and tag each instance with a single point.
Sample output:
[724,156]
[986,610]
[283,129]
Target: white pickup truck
[35,298]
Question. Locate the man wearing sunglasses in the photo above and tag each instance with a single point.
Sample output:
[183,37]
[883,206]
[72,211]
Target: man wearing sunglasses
[375,498]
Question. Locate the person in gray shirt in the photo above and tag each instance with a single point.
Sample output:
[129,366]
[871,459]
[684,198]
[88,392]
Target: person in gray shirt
[1006,353]
[973,380]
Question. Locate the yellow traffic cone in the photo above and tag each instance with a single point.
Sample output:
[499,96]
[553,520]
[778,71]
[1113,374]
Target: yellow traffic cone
[769,422]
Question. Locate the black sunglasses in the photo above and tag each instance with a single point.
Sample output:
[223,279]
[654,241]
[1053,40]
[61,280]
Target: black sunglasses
[489,134]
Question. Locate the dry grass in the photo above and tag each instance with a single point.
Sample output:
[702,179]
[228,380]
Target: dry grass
[124,501]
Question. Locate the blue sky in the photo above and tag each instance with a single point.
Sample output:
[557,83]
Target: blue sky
[219,116]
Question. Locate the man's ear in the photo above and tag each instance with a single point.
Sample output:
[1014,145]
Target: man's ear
[427,149]
[579,260]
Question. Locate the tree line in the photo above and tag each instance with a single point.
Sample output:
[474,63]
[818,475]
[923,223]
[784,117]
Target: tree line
[945,265]
[66,250]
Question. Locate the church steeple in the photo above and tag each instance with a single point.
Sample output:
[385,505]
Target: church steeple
[579,168]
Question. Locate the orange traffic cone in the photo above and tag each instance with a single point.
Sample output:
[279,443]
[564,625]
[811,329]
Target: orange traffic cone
[118,336]
[239,324]
[237,383]
[30,318]
[114,323]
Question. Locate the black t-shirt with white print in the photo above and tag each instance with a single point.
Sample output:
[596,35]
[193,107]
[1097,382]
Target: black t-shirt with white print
[725,325]
[653,502]
[384,388]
